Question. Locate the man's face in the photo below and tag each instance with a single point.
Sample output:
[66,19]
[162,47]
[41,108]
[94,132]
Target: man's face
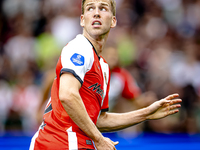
[98,17]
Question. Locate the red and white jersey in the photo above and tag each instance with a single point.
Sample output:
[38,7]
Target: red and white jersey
[122,84]
[58,131]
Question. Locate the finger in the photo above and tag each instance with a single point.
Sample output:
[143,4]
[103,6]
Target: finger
[164,102]
[171,112]
[115,143]
[172,96]
[175,106]
[114,146]
[174,101]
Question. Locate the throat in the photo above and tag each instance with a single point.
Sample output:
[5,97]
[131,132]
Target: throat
[98,41]
[98,44]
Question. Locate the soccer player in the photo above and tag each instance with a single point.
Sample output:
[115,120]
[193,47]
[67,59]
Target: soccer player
[122,83]
[76,113]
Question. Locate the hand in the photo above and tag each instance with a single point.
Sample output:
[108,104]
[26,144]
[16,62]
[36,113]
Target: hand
[105,144]
[164,107]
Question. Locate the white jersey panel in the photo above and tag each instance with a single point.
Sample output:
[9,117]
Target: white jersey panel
[105,71]
[72,138]
[78,56]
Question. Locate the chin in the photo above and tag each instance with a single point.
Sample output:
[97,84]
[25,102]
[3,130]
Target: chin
[99,33]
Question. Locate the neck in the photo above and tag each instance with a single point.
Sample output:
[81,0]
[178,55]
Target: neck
[97,41]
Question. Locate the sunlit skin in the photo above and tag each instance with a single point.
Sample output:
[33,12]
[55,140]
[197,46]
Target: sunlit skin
[97,21]
[168,105]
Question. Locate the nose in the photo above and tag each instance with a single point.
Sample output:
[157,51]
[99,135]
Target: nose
[96,15]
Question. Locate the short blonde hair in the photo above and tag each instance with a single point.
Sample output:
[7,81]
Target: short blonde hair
[113,7]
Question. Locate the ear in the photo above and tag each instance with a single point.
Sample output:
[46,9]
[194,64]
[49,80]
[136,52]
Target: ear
[82,23]
[114,22]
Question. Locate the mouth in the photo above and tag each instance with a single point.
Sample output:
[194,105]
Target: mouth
[96,23]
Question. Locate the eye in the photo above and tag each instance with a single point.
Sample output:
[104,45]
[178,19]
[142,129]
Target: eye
[103,9]
[90,8]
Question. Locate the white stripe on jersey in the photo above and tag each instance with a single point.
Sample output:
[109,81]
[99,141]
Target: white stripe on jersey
[37,133]
[48,102]
[33,140]
[105,72]
[72,139]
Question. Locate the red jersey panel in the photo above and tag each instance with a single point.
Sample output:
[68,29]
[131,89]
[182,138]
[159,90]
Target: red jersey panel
[122,83]
[58,131]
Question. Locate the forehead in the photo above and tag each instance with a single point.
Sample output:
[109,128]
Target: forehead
[88,2]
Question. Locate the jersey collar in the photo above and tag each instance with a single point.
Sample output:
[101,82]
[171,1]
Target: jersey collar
[94,48]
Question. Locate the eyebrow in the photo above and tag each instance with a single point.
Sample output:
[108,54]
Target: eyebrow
[102,3]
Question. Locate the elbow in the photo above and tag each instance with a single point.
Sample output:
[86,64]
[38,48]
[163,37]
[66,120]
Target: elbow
[65,97]
[102,123]
[68,98]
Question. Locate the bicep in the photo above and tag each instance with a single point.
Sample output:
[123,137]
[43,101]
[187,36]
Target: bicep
[68,84]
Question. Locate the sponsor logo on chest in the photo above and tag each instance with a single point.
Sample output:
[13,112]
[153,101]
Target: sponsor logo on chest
[97,87]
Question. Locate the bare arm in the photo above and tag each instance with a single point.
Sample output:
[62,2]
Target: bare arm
[74,106]
[47,83]
[108,122]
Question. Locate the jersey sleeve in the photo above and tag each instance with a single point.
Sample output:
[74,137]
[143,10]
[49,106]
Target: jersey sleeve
[76,60]
[131,89]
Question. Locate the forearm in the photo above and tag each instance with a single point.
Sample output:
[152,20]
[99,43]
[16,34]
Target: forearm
[76,110]
[109,122]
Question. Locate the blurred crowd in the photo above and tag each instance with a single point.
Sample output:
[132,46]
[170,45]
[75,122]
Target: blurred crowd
[157,41]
